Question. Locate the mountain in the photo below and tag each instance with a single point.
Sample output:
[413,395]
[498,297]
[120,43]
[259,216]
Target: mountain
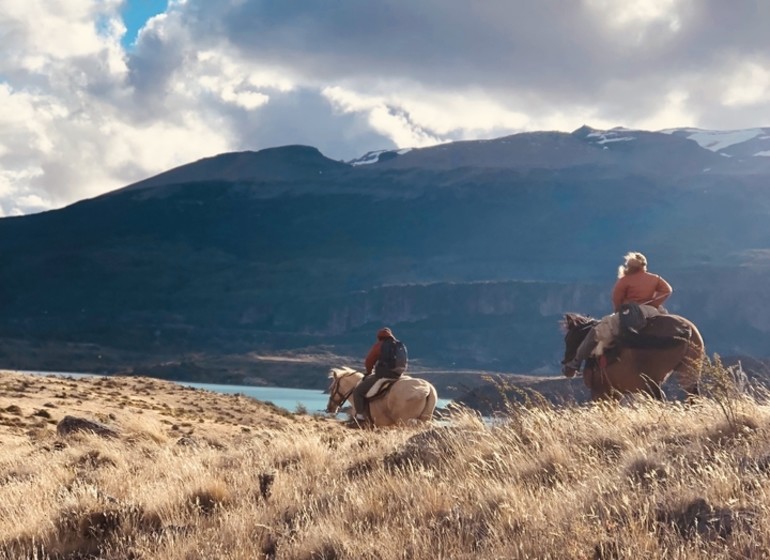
[269,266]
[289,163]
[674,152]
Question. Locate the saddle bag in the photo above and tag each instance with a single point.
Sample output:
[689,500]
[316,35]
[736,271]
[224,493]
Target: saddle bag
[632,318]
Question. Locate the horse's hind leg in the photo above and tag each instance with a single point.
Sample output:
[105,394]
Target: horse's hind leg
[430,405]
[688,376]
[653,388]
[689,369]
[689,381]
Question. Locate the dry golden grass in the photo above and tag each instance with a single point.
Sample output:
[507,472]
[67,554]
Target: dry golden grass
[197,475]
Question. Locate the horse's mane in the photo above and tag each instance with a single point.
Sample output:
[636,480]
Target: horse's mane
[576,320]
[340,371]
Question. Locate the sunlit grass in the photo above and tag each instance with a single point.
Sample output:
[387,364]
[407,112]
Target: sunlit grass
[642,480]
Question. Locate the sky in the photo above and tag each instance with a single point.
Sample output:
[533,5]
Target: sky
[98,94]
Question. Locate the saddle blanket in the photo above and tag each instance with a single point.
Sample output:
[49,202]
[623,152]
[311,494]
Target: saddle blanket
[382,385]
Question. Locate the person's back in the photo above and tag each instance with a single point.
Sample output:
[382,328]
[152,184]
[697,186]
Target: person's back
[636,285]
[373,357]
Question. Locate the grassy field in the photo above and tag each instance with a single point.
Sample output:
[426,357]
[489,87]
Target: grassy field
[198,475]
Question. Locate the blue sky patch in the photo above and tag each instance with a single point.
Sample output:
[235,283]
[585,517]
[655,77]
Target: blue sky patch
[135,15]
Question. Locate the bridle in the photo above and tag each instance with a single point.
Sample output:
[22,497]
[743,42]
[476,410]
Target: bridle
[336,392]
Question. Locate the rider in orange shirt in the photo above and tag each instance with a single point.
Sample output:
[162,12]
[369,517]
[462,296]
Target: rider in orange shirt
[637,285]
[634,284]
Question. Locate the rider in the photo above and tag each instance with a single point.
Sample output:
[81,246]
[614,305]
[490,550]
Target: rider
[372,362]
[635,285]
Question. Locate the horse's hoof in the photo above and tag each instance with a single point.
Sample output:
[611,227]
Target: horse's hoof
[568,372]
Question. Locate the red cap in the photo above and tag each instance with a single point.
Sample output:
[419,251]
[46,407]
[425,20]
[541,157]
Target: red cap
[384,332]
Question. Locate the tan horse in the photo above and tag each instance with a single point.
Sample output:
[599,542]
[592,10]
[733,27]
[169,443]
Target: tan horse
[409,399]
[642,365]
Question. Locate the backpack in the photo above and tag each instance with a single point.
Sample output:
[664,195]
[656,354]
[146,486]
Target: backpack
[632,318]
[393,356]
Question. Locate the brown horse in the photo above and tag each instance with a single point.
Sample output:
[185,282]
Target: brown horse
[667,344]
[408,399]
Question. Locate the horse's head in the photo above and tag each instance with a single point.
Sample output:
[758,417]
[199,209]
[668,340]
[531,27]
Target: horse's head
[575,327]
[343,381]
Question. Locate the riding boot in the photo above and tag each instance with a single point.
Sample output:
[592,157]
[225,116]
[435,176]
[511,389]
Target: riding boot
[584,350]
[359,394]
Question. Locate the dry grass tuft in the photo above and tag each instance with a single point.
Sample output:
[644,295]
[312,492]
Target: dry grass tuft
[94,459]
[699,518]
[213,497]
[647,471]
[608,449]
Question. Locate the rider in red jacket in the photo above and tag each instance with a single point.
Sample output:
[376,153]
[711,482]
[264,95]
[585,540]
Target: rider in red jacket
[371,363]
[374,352]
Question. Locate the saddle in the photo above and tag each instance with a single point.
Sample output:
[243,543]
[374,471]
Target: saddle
[381,387]
[660,332]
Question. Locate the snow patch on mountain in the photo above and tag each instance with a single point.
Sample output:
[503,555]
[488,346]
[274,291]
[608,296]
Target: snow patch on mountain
[374,157]
[717,140]
[608,136]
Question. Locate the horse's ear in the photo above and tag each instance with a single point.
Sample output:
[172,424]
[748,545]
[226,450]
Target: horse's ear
[333,373]
[570,320]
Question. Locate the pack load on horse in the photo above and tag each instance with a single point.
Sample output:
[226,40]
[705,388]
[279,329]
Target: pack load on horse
[392,401]
[638,361]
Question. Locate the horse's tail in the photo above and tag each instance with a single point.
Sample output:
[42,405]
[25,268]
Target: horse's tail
[430,404]
[690,368]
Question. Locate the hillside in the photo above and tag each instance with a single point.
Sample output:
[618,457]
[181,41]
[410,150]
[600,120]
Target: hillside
[270,266]
[183,474]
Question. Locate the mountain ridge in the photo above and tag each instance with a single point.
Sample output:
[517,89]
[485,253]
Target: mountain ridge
[524,151]
[292,162]
[589,146]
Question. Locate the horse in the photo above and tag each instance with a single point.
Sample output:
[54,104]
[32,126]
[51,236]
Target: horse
[669,343]
[409,399]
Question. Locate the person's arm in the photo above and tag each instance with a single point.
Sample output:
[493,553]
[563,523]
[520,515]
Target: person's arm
[662,290]
[372,357]
[618,294]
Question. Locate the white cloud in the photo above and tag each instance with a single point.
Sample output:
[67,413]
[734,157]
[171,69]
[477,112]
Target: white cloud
[639,13]
[80,116]
[749,84]
[673,109]
[39,29]
[386,119]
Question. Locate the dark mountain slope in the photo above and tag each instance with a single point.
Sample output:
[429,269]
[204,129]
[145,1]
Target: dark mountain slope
[287,163]
[474,266]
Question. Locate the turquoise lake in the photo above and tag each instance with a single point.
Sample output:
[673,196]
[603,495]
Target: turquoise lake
[284,397]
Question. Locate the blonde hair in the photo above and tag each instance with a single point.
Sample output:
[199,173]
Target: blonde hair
[634,262]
